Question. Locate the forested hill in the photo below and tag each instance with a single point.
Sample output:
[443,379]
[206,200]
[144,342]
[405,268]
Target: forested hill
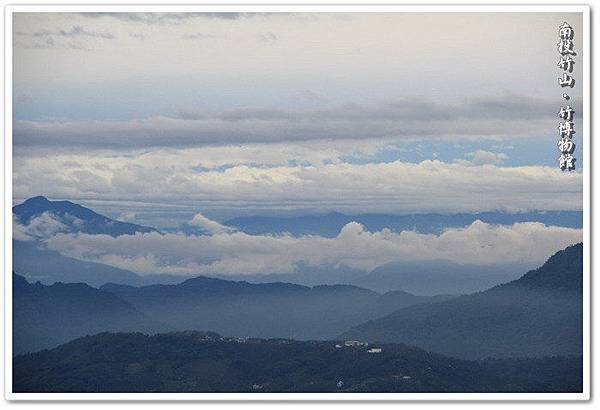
[205,362]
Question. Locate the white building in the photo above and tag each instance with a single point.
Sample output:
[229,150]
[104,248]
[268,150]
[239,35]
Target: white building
[354,343]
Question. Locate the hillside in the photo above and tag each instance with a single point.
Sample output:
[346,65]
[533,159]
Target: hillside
[536,315]
[45,316]
[262,310]
[205,362]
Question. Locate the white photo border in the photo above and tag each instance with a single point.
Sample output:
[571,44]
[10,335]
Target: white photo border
[440,8]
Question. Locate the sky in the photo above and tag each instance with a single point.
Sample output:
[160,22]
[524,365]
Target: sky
[230,113]
[171,118]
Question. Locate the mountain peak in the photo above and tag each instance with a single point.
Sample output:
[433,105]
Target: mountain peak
[37,200]
[76,217]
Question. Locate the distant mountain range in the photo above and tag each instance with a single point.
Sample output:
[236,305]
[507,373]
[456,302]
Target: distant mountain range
[205,362]
[46,316]
[330,224]
[263,310]
[76,218]
[539,314]
[420,278]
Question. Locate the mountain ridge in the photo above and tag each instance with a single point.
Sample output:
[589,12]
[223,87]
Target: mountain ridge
[262,310]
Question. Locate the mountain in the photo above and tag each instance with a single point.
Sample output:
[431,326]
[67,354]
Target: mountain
[562,272]
[205,362]
[539,314]
[330,224]
[48,267]
[262,310]
[46,316]
[438,277]
[420,278]
[31,260]
[75,218]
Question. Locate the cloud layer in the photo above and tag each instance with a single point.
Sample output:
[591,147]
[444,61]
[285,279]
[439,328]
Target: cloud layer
[498,117]
[189,177]
[241,253]
[39,228]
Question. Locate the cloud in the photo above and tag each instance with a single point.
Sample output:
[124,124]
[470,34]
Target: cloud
[481,157]
[127,217]
[238,252]
[355,65]
[173,177]
[166,18]
[405,118]
[268,37]
[209,225]
[197,36]
[312,96]
[506,106]
[38,228]
[75,31]
[75,38]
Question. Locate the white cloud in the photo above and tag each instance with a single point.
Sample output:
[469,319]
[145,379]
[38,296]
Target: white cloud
[40,227]
[127,217]
[196,178]
[209,225]
[481,157]
[403,118]
[362,55]
[238,252]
